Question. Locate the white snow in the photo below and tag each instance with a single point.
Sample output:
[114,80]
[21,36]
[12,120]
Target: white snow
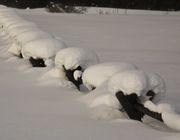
[138,82]
[14,49]
[96,75]
[42,48]
[172,120]
[77,74]
[129,82]
[19,30]
[159,108]
[30,111]
[31,35]
[73,57]
[156,84]
[103,104]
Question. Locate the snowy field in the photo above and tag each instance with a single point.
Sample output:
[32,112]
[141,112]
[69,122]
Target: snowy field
[46,109]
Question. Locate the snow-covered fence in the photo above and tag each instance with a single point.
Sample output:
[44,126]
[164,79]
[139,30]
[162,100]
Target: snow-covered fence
[28,41]
[73,62]
[136,91]
[96,75]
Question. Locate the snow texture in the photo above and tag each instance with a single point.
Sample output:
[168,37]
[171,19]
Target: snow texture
[42,48]
[100,97]
[18,30]
[170,118]
[96,75]
[31,35]
[30,111]
[138,82]
[15,49]
[77,74]
[73,57]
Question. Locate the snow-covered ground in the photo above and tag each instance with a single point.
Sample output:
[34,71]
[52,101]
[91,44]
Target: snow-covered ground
[33,110]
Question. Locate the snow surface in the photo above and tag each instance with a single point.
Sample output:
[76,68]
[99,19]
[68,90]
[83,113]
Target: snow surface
[96,75]
[30,111]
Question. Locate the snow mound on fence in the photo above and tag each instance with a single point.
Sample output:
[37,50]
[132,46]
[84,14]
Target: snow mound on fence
[128,82]
[28,36]
[15,49]
[138,82]
[42,48]
[19,30]
[71,58]
[25,35]
[96,75]
[21,23]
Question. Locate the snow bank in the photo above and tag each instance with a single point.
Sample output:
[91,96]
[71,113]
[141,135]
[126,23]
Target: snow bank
[103,105]
[71,58]
[42,48]
[106,113]
[96,75]
[138,82]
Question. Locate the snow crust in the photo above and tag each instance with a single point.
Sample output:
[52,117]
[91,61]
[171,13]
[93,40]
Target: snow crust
[73,57]
[96,75]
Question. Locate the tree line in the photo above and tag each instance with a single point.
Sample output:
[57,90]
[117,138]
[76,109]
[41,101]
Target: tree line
[168,5]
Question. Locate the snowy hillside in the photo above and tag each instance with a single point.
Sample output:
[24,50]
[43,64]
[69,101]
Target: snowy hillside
[36,106]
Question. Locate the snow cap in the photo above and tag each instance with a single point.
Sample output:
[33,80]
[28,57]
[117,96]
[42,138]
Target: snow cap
[73,57]
[96,75]
[129,82]
[42,48]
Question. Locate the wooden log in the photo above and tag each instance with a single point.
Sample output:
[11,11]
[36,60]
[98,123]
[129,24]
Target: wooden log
[70,75]
[38,62]
[134,109]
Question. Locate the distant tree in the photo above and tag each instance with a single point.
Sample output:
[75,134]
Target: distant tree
[128,4]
